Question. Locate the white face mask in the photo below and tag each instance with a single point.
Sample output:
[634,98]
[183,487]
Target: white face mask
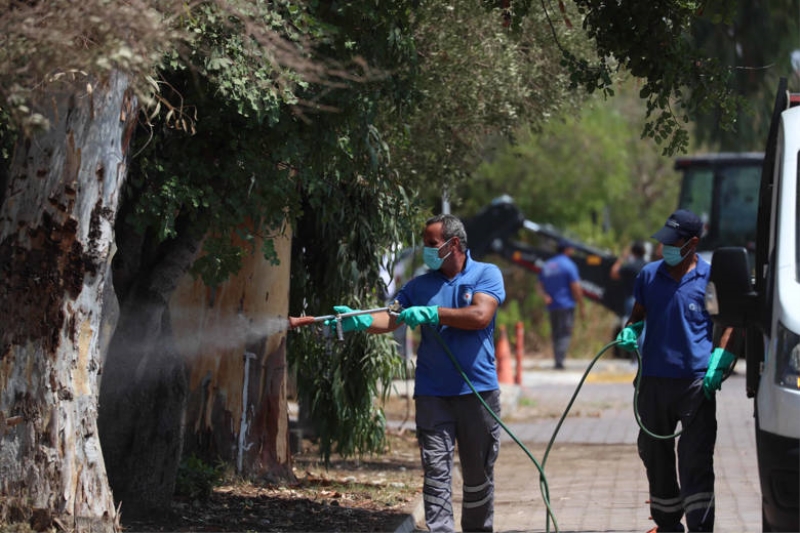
[431,256]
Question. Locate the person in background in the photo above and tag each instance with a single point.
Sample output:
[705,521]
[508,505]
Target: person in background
[626,268]
[681,371]
[658,252]
[560,286]
[457,300]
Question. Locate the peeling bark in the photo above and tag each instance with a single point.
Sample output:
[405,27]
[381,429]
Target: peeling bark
[243,422]
[56,240]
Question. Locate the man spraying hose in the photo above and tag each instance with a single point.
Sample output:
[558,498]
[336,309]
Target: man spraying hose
[681,371]
[458,297]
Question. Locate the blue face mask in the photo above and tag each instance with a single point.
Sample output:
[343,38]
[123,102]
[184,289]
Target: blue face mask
[672,254]
[431,256]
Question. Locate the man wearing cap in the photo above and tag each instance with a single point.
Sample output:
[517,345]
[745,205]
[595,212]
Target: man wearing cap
[680,373]
[560,286]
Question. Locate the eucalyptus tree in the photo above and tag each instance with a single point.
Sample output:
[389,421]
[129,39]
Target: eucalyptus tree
[73,79]
[67,83]
[315,161]
[206,169]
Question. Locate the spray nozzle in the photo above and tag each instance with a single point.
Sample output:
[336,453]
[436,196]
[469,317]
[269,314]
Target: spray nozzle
[295,322]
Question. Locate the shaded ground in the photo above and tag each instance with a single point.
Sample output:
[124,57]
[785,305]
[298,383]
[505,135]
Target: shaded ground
[371,494]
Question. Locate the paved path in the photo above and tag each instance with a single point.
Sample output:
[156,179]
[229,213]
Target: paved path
[596,479]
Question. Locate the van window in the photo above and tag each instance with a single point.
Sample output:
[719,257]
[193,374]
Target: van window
[725,196]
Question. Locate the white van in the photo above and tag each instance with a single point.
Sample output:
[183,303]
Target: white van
[766,302]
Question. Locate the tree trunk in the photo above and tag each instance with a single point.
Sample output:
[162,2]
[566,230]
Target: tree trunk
[143,395]
[56,235]
[233,339]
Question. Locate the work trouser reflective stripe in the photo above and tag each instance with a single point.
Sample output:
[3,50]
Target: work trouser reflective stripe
[477,496]
[666,505]
[698,502]
[479,503]
[436,484]
[479,488]
[437,501]
[437,494]
[702,502]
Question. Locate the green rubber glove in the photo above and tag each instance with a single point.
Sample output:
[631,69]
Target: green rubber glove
[628,337]
[350,323]
[720,360]
[421,314]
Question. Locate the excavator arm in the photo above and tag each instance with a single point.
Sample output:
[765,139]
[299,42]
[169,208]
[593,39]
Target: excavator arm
[493,231]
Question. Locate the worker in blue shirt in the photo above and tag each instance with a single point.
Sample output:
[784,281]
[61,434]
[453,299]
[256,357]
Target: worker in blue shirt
[457,299]
[680,373]
[560,286]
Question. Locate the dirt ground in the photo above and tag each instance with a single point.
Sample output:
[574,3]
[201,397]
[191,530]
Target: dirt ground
[369,494]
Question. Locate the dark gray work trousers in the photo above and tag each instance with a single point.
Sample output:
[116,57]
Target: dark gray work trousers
[562,322]
[442,423]
[689,488]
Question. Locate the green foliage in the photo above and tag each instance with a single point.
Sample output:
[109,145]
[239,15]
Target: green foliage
[254,163]
[757,43]
[230,54]
[233,175]
[648,40]
[352,206]
[220,181]
[341,232]
[340,389]
[588,174]
[509,314]
[196,478]
[466,94]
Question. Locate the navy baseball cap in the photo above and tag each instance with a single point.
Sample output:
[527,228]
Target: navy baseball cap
[563,244]
[682,224]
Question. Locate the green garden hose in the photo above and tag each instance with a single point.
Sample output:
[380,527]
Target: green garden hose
[543,485]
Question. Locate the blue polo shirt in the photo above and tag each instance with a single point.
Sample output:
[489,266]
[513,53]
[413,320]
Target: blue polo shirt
[678,333]
[436,375]
[557,276]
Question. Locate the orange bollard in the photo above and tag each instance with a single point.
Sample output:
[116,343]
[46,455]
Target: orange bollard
[502,352]
[520,348]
